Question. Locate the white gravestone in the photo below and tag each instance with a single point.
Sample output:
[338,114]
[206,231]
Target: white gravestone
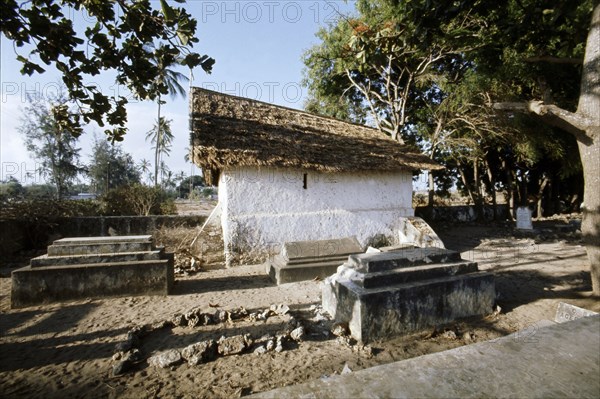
[524,218]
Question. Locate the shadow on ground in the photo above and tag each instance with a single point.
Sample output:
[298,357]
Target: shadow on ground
[55,348]
[198,284]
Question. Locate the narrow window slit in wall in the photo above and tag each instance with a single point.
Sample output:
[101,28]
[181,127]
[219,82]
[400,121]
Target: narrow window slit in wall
[305,185]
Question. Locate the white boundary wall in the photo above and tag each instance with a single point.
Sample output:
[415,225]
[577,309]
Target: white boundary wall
[265,207]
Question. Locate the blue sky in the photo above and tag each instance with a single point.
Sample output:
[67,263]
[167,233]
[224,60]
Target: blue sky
[257,45]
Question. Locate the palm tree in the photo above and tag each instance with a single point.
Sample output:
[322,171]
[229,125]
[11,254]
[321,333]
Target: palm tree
[164,170]
[189,158]
[162,137]
[169,79]
[144,167]
[179,178]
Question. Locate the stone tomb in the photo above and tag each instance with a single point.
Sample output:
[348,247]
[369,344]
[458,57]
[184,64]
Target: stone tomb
[305,260]
[93,267]
[382,295]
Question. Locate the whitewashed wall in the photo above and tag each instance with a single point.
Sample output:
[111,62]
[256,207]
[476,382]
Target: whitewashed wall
[264,207]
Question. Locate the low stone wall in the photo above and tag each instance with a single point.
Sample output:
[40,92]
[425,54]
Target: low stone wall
[461,213]
[26,234]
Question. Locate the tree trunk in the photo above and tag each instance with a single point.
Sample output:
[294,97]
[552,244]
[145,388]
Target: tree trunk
[540,196]
[589,150]
[590,227]
[478,200]
[472,193]
[157,146]
[509,190]
[492,188]
[584,125]
[431,191]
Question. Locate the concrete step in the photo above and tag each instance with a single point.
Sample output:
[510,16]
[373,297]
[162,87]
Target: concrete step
[48,260]
[379,262]
[339,259]
[46,284]
[556,361]
[102,240]
[100,245]
[414,273]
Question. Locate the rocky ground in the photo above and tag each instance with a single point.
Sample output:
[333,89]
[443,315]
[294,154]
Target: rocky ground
[254,336]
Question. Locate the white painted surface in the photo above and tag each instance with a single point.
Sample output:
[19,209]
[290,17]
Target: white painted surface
[264,207]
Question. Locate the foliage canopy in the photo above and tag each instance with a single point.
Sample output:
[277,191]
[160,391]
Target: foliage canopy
[117,41]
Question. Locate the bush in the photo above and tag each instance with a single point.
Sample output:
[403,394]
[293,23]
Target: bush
[202,192]
[137,200]
[35,209]
[29,223]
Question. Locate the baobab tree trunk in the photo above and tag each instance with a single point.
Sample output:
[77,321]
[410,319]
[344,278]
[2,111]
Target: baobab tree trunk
[589,150]
[584,124]
[590,227]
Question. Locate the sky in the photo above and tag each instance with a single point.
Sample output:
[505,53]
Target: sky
[257,45]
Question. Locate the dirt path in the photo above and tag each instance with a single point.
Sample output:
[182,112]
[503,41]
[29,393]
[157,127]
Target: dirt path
[65,350]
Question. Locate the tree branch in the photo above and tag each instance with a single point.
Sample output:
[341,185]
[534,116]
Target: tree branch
[554,60]
[571,122]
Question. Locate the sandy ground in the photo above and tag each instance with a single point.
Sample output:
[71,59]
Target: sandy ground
[65,350]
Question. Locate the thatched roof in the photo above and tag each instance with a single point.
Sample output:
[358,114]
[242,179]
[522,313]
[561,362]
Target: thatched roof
[229,131]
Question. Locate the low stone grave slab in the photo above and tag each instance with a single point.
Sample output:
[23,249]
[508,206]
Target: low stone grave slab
[382,295]
[49,260]
[94,267]
[306,260]
[100,245]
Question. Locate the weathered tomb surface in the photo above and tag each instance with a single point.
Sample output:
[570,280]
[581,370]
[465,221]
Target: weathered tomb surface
[414,230]
[306,260]
[94,267]
[100,245]
[566,312]
[382,295]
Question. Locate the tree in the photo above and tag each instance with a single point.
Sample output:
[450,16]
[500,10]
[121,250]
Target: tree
[188,184]
[584,125]
[162,138]
[170,78]
[145,168]
[50,144]
[522,49]
[164,170]
[10,190]
[143,199]
[117,41]
[110,167]
[378,60]
[179,177]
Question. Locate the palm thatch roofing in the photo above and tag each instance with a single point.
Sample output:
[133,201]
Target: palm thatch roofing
[229,131]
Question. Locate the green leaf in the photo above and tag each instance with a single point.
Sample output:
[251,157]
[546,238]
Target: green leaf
[183,37]
[167,10]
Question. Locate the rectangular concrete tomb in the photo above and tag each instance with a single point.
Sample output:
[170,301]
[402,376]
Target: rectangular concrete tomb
[94,267]
[382,295]
[305,260]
